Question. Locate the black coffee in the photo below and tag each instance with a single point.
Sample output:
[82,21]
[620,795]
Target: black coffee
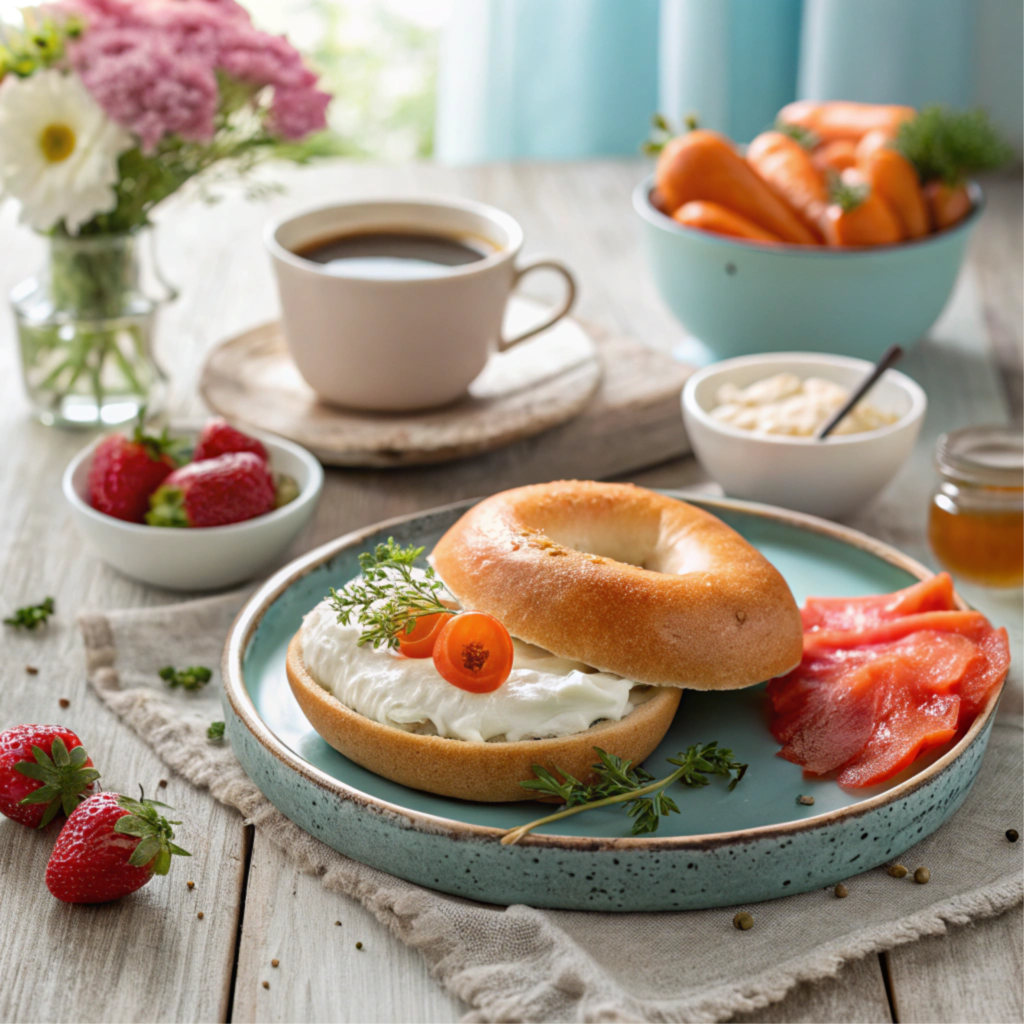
[395,255]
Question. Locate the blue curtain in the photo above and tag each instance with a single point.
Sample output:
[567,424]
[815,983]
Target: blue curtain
[912,51]
[567,79]
[730,63]
[546,79]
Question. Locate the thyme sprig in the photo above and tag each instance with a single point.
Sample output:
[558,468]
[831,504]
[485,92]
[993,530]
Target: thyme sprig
[388,598]
[619,782]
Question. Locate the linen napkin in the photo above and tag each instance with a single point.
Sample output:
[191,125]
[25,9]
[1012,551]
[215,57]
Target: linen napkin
[524,964]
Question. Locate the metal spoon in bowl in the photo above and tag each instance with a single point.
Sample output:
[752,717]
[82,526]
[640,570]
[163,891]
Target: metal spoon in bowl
[891,355]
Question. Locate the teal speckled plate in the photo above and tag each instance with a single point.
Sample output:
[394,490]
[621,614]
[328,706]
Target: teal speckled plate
[754,843]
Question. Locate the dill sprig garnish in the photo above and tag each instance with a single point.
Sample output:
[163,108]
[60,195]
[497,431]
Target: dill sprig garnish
[387,599]
[619,782]
[952,144]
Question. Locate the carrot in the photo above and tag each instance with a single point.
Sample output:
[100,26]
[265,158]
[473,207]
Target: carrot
[704,165]
[894,178]
[858,215]
[947,204]
[842,119]
[658,202]
[839,155]
[721,221]
[789,172]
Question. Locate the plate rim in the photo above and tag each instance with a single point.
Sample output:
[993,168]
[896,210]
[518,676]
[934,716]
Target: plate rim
[251,614]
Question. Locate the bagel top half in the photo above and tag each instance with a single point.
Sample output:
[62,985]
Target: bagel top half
[627,581]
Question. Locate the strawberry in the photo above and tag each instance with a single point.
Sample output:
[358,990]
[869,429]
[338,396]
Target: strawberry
[220,438]
[110,846]
[44,769]
[126,471]
[214,492]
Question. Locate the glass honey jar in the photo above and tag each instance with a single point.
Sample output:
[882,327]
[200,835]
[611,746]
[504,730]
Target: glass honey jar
[976,521]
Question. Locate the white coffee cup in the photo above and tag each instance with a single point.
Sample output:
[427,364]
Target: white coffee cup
[413,343]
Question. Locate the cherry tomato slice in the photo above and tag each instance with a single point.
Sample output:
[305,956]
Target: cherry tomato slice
[420,642]
[473,651]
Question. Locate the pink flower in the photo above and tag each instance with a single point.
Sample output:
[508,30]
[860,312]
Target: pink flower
[296,113]
[146,85]
[152,65]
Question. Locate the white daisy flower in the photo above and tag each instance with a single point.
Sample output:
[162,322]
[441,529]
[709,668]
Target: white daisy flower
[58,150]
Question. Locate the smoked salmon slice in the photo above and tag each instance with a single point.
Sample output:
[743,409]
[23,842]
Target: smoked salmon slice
[931,595]
[883,679]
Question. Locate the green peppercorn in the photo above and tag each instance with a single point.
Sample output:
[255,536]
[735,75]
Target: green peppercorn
[897,871]
[841,891]
[359,945]
[743,921]
[922,876]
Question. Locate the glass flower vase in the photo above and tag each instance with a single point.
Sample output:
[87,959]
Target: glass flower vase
[85,331]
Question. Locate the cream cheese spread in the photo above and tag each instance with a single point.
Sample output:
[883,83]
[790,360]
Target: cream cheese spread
[785,404]
[544,696]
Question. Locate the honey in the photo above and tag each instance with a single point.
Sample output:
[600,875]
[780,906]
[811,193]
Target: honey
[976,522]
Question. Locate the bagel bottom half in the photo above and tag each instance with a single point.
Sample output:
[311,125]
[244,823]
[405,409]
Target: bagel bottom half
[486,772]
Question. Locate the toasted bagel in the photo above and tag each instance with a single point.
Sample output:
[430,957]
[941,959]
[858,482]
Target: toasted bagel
[488,772]
[627,581]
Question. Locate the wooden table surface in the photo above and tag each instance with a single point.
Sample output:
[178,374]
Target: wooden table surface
[149,957]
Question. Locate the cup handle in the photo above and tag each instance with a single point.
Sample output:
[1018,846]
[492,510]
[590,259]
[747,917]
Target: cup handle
[547,263]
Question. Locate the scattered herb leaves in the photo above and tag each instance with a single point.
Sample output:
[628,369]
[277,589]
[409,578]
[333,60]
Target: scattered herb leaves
[31,615]
[215,731]
[194,678]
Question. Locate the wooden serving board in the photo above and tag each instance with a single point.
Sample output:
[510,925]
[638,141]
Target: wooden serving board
[604,404]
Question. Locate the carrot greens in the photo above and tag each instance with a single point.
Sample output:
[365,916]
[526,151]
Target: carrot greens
[951,145]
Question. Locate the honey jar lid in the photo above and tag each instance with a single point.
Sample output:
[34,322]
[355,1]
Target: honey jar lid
[987,456]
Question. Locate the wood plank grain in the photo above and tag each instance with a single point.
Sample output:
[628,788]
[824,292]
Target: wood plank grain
[147,957]
[855,996]
[973,975]
[321,975]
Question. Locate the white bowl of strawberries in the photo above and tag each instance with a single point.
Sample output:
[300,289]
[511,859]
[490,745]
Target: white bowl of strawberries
[192,509]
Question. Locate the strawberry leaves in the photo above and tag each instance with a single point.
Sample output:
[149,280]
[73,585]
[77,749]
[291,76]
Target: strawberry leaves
[64,777]
[153,830]
[157,445]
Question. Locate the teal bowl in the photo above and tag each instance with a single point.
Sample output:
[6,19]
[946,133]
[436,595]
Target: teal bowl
[741,298]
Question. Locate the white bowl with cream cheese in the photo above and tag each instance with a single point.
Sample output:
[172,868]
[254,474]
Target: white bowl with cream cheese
[760,449]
